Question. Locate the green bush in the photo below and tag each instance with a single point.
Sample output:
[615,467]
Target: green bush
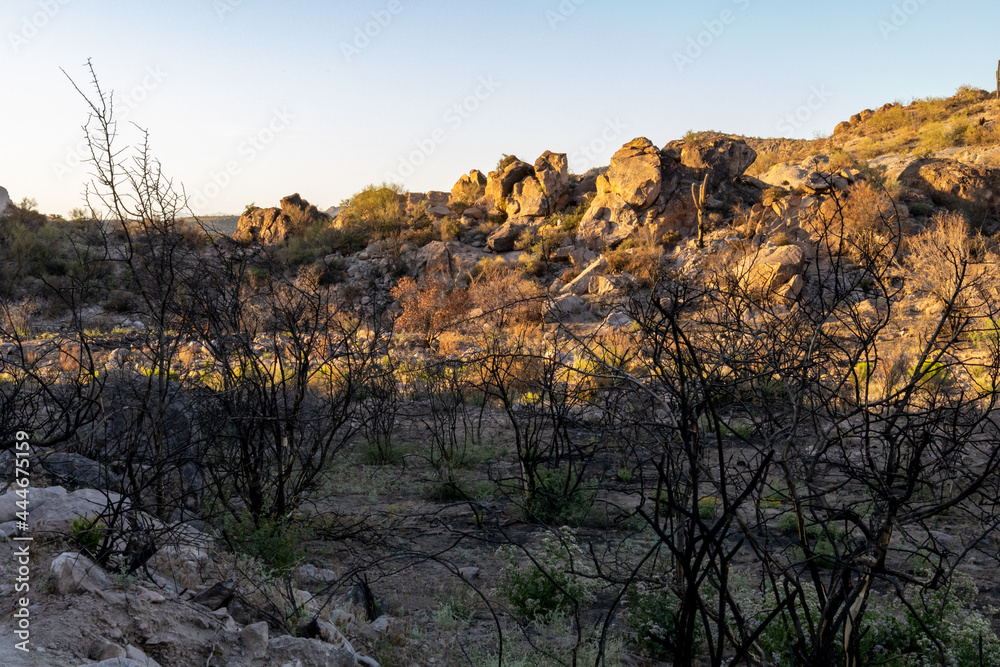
[650,613]
[88,533]
[275,543]
[919,209]
[551,589]
[377,210]
[559,498]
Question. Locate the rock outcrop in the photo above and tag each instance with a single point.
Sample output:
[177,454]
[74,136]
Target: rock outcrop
[608,221]
[720,158]
[770,272]
[953,184]
[500,184]
[649,187]
[636,173]
[469,188]
[4,200]
[274,225]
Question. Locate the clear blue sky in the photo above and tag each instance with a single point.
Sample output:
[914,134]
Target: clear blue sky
[287,97]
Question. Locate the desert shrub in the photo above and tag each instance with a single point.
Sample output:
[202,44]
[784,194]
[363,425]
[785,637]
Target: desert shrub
[321,239]
[650,612]
[450,229]
[467,194]
[781,239]
[773,195]
[889,120]
[429,307]
[951,262]
[708,506]
[920,209]
[866,229]
[275,543]
[640,258]
[559,497]
[938,136]
[377,210]
[569,220]
[505,161]
[553,585]
[504,295]
[530,266]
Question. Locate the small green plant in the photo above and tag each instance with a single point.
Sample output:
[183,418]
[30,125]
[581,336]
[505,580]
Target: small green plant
[553,585]
[559,497]
[788,523]
[931,374]
[88,533]
[919,209]
[781,239]
[275,543]
[505,161]
[708,506]
[651,615]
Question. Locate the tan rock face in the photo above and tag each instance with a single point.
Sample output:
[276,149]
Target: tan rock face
[723,158]
[636,173]
[274,225]
[552,172]
[500,184]
[953,184]
[505,237]
[608,221]
[528,199]
[763,274]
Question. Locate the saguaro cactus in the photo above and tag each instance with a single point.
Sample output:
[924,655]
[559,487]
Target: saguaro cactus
[700,197]
[998,80]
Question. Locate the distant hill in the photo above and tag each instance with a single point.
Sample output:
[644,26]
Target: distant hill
[223,224]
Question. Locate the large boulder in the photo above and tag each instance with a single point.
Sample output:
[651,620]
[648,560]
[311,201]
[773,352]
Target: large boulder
[36,497]
[78,471]
[75,572]
[448,260]
[274,225]
[500,184]
[608,221]
[953,184]
[765,273]
[297,651]
[636,173]
[581,284]
[4,200]
[552,172]
[505,237]
[57,515]
[528,199]
[722,158]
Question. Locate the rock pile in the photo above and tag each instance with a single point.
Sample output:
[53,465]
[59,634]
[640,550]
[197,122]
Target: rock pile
[274,225]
